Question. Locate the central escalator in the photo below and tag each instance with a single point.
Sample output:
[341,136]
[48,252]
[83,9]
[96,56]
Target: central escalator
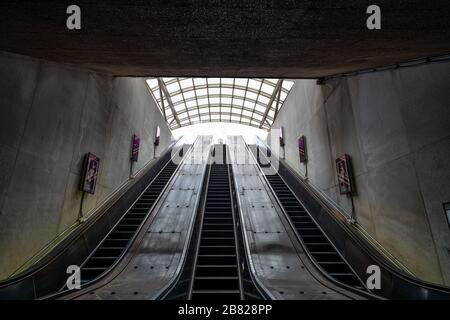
[216,272]
[118,240]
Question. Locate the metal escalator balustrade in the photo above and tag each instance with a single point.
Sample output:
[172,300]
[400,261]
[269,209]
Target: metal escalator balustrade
[316,242]
[216,274]
[114,244]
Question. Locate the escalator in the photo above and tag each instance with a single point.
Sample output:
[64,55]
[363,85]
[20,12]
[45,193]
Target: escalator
[318,245]
[124,213]
[141,255]
[333,244]
[216,272]
[118,240]
[216,266]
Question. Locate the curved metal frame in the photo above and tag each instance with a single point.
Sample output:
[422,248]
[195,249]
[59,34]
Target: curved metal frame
[179,111]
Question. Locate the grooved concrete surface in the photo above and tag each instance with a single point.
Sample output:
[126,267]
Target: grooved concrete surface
[395,125]
[50,116]
[247,38]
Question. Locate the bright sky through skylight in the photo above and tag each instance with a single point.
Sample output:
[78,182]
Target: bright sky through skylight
[247,101]
[220,131]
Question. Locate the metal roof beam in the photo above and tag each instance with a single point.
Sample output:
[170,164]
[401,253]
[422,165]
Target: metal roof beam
[163,87]
[272,99]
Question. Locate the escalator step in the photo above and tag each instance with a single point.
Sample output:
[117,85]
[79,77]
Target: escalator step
[216,283]
[205,250]
[223,260]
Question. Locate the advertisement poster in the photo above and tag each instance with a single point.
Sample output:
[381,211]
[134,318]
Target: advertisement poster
[135,148]
[157,135]
[90,173]
[302,149]
[281,137]
[344,174]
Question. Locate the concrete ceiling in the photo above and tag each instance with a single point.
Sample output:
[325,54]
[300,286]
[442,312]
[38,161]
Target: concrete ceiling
[235,38]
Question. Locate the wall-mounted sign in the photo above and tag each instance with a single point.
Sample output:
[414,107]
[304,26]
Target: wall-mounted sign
[135,144]
[90,173]
[302,149]
[281,134]
[447,212]
[344,174]
[157,135]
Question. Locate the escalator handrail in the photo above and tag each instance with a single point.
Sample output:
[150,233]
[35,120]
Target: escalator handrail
[365,244]
[87,285]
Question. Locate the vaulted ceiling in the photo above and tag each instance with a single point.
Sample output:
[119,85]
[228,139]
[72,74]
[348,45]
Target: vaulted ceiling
[248,101]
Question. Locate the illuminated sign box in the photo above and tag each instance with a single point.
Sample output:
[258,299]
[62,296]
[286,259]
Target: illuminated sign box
[344,174]
[281,135]
[135,145]
[157,135]
[302,149]
[90,173]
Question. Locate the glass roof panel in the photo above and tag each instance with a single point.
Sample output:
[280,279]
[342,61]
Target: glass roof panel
[244,100]
[199,81]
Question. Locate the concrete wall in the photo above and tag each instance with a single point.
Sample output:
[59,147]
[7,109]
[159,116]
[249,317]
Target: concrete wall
[395,125]
[50,116]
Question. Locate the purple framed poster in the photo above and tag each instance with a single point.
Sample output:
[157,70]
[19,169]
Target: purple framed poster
[344,174]
[302,149]
[157,135]
[135,144]
[281,135]
[90,173]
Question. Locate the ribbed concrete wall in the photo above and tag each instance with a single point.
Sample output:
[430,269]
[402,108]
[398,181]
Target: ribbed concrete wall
[395,125]
[50,116]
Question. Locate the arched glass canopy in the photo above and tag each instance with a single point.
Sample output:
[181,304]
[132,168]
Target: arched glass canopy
[187,101]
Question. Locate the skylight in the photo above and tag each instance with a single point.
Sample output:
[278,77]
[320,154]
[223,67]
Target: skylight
[188,101]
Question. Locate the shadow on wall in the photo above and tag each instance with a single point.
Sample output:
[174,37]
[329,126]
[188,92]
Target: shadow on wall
[51,116]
